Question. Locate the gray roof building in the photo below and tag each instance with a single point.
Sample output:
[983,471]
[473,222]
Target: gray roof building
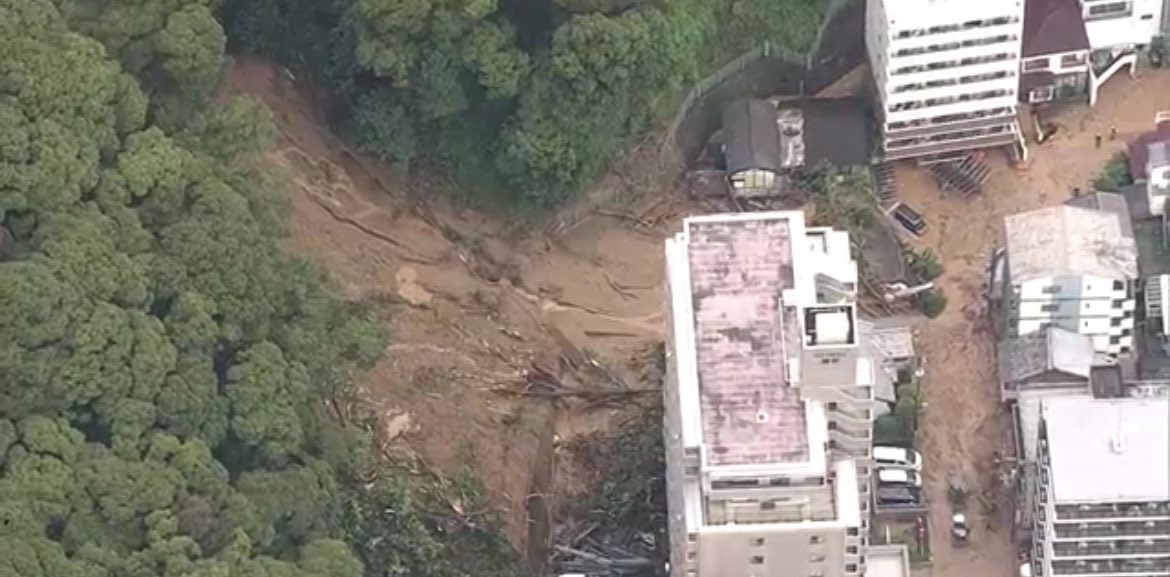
[1054,351]
[752,136]
[1112,202]
[1070,241]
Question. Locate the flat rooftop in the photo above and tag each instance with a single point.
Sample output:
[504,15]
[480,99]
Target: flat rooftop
[1108,450]
[1069,241]
[739,268]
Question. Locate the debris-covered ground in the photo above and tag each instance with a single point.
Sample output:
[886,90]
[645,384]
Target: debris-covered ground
[963,425]
[496,327]
[518,347]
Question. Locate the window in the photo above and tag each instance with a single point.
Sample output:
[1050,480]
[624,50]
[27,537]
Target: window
[691,555]
[851,550]
[1049,308]
[757,559]
[816,539]
[757,541]
[1051,289]
[1115,340]
[1036,64]
[1110,10]
[768,506]
[1072,60]
[1118,285]
[852,531]
[1114,322]
[1041,94]
[1147,16]
[816,557]
[832,406]
[851,568]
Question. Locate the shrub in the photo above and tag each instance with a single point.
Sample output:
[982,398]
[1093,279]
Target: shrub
[1114,175]
[923,266]
[931,303]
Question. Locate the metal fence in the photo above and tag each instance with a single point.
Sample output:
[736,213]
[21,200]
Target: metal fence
[765,71]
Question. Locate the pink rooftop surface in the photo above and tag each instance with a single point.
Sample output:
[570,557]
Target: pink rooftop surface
[739,268]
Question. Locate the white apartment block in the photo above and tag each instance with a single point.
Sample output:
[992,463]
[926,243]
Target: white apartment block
[1073,267]
[1121,24]
[1102,503]
[769,403]
[945,74]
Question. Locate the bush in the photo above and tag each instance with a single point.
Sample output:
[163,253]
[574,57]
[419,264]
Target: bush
[931,303]
[892,429]
[923,266]
[1114,175]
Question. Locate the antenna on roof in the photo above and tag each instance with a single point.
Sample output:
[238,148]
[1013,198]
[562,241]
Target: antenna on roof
[1117,441]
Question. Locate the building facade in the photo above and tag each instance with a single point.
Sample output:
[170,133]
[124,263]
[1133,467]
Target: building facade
[769,403]
[1102,497]
[1121,25]
[1075,268]
[945,74]
[1055,54]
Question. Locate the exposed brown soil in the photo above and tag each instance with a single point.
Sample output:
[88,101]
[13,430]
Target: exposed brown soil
[473,302]
[963,426]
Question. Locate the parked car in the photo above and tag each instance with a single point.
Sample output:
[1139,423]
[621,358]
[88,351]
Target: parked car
[898,477]
[898,496]
[897,458]
[910,219]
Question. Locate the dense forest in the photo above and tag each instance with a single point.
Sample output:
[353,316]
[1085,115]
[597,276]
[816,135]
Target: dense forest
[520,100]
[166,369]
[164,365]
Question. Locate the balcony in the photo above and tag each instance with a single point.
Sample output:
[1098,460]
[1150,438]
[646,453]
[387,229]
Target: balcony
[1110,566]
[1112,548]
[1160,510]
[1002,139]
[927,128]
[1112,530]
[851,416]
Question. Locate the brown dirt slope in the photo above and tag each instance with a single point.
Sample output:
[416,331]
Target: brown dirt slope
[472,303]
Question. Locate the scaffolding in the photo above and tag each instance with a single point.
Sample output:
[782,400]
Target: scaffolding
[964,175]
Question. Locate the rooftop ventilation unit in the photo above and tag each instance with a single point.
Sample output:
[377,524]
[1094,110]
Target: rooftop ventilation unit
[831,328]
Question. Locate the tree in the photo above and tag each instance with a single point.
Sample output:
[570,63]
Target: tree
[148,425]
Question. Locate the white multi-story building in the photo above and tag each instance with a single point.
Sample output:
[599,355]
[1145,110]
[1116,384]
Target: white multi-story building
[769,403]
[1074,267]
[945,74]
[1121,24]
[1102,500]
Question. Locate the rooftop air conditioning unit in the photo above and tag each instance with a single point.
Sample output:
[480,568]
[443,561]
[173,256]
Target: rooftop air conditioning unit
[832,328]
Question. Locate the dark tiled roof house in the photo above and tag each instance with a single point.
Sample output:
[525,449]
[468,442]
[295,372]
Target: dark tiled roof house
[1054,52]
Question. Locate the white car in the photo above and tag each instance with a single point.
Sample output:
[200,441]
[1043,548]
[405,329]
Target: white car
[898,478]
[897,458]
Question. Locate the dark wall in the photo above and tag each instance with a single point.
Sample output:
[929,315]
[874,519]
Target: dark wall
[840,49]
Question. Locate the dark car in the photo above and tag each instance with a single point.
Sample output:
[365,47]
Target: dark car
[904,496]
[910,219]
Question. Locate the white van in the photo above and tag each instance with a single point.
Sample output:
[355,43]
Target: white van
[899,477]
[897,457]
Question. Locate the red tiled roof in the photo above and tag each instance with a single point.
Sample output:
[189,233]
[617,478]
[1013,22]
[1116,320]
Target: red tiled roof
[1053,27]
[1138,149]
